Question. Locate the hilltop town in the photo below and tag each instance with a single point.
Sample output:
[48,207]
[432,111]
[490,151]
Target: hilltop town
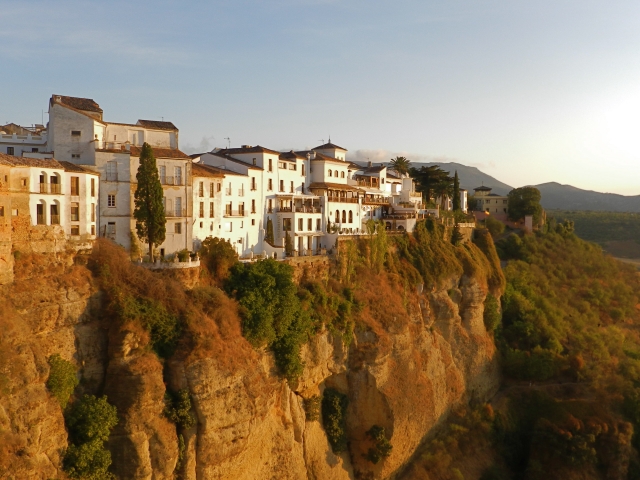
[74,179]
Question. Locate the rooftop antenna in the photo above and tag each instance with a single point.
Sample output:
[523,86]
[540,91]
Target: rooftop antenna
[329,138]
[228,142]
[321,140]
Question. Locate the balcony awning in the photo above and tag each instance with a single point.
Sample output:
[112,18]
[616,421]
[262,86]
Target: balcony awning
[333,186]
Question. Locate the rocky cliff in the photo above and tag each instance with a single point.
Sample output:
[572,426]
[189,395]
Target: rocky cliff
[414,355]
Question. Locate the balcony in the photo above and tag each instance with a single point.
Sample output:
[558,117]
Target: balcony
[50,188]
[41,219]
[176,212]
[241,192]
[234,213]
[55,219]
[343,199]
[227,191]
[285,210]
[308,209]
[174,181]
[112,177]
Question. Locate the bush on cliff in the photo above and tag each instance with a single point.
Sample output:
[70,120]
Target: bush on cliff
[334,412]
[177,408]
[89,421]
[62,379]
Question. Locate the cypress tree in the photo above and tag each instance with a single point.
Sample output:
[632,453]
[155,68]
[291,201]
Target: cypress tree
[456,192]
[149,208]
[288,244]
[269,234]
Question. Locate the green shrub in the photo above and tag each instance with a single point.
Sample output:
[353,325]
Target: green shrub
[492,315]
[218,256]
[334,411]
[183,255]
[382,447]
[495,227]
[62,379]
[312,408]
[165,329]
[177,408]
[89,422]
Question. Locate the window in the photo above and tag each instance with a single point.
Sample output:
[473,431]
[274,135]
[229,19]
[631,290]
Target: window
[270,185]
[344,216]
[201,209]
[228,227]
[34,149]
[350,216]
[77,133]
[269,206]
[75,186]
[75,212]
[178,174]
[93,212]
[162,170]
[210,209]
[336,173]
[201,189]
[270,165]
[112,172]
[40,215]
[293,166]
[75,230]
[93,187]
[111,228]
[286,224]
[177,227]
[309,224]
[253,206]
[55,215]
[304,169]
[318,224]
[300,224]
[219,184]
[179,212]
[111,201]
[227,208]
[330,173]
[10,150]
[254,161]
[291,191]
[211,189]
[282,165]
[241,209]
[75,155]
[253,183]
[337,216]
[282,185]
[1,210]
[341,174]
[93,230]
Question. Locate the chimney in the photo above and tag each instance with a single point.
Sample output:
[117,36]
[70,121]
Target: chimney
[246,146]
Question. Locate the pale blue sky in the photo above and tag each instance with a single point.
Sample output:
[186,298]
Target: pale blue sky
[536,91]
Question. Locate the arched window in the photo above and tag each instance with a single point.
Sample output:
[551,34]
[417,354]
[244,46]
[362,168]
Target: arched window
[350,216]
[330,172]
[336,173]
[342,174]
[344,216]
[337,216]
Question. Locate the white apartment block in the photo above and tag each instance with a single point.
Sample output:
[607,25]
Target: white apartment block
[55,194]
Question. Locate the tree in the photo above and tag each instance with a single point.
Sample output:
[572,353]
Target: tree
[432,181]
[288,244]
[148,197]
[218,256]
[401,165]
[456,235]
[525,201]
[456,193]
[495,227]
[269,235]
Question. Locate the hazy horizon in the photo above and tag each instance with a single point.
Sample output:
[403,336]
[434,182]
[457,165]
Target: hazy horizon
[528,93]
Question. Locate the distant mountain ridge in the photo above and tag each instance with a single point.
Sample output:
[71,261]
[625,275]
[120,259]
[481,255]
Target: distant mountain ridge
[470,177]
[567,197]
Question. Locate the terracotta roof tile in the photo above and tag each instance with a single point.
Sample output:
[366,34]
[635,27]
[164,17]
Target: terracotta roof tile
[200,170]
[72,167]
[329,146]
[256,149]
[86,104]
[28,162]
[292,156]
[157,124]
[160,152]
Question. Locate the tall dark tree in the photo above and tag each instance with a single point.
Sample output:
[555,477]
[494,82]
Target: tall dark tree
[525,201]
[432,181]
[269,235]
[456,192]
[401,165]
[149,209]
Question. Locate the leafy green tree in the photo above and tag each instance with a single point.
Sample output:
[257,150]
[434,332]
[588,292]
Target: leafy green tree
[269,233]
[495,227]
[177,408]
[456,192]
[525,201]
[148,198]
[432,181]
[492,316]
[382,447]
[218,255]
[334,413]
[401,165]
[62,379]
[89,422]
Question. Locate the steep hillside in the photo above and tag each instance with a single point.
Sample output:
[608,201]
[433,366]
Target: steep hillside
[340,375]
[471,177]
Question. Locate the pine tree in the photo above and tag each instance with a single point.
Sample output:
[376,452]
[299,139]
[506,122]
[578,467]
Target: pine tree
[288,244]
[456,235]
[149,209]
[269,234]
[456,193]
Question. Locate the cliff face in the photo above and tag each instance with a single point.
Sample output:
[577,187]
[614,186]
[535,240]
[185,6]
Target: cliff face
[413,356]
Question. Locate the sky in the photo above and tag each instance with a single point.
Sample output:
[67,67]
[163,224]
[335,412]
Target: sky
[527,91]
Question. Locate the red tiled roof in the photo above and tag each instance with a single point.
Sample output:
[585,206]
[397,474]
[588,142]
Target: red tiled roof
[157,124]
[86,104]
[325,158]
[72,167]
[329,146]
[28,162]
[292,156]
[256,149]
[160,152]
[234,160]
[200,170]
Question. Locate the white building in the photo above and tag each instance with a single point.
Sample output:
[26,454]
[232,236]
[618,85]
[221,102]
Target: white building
[16,140]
